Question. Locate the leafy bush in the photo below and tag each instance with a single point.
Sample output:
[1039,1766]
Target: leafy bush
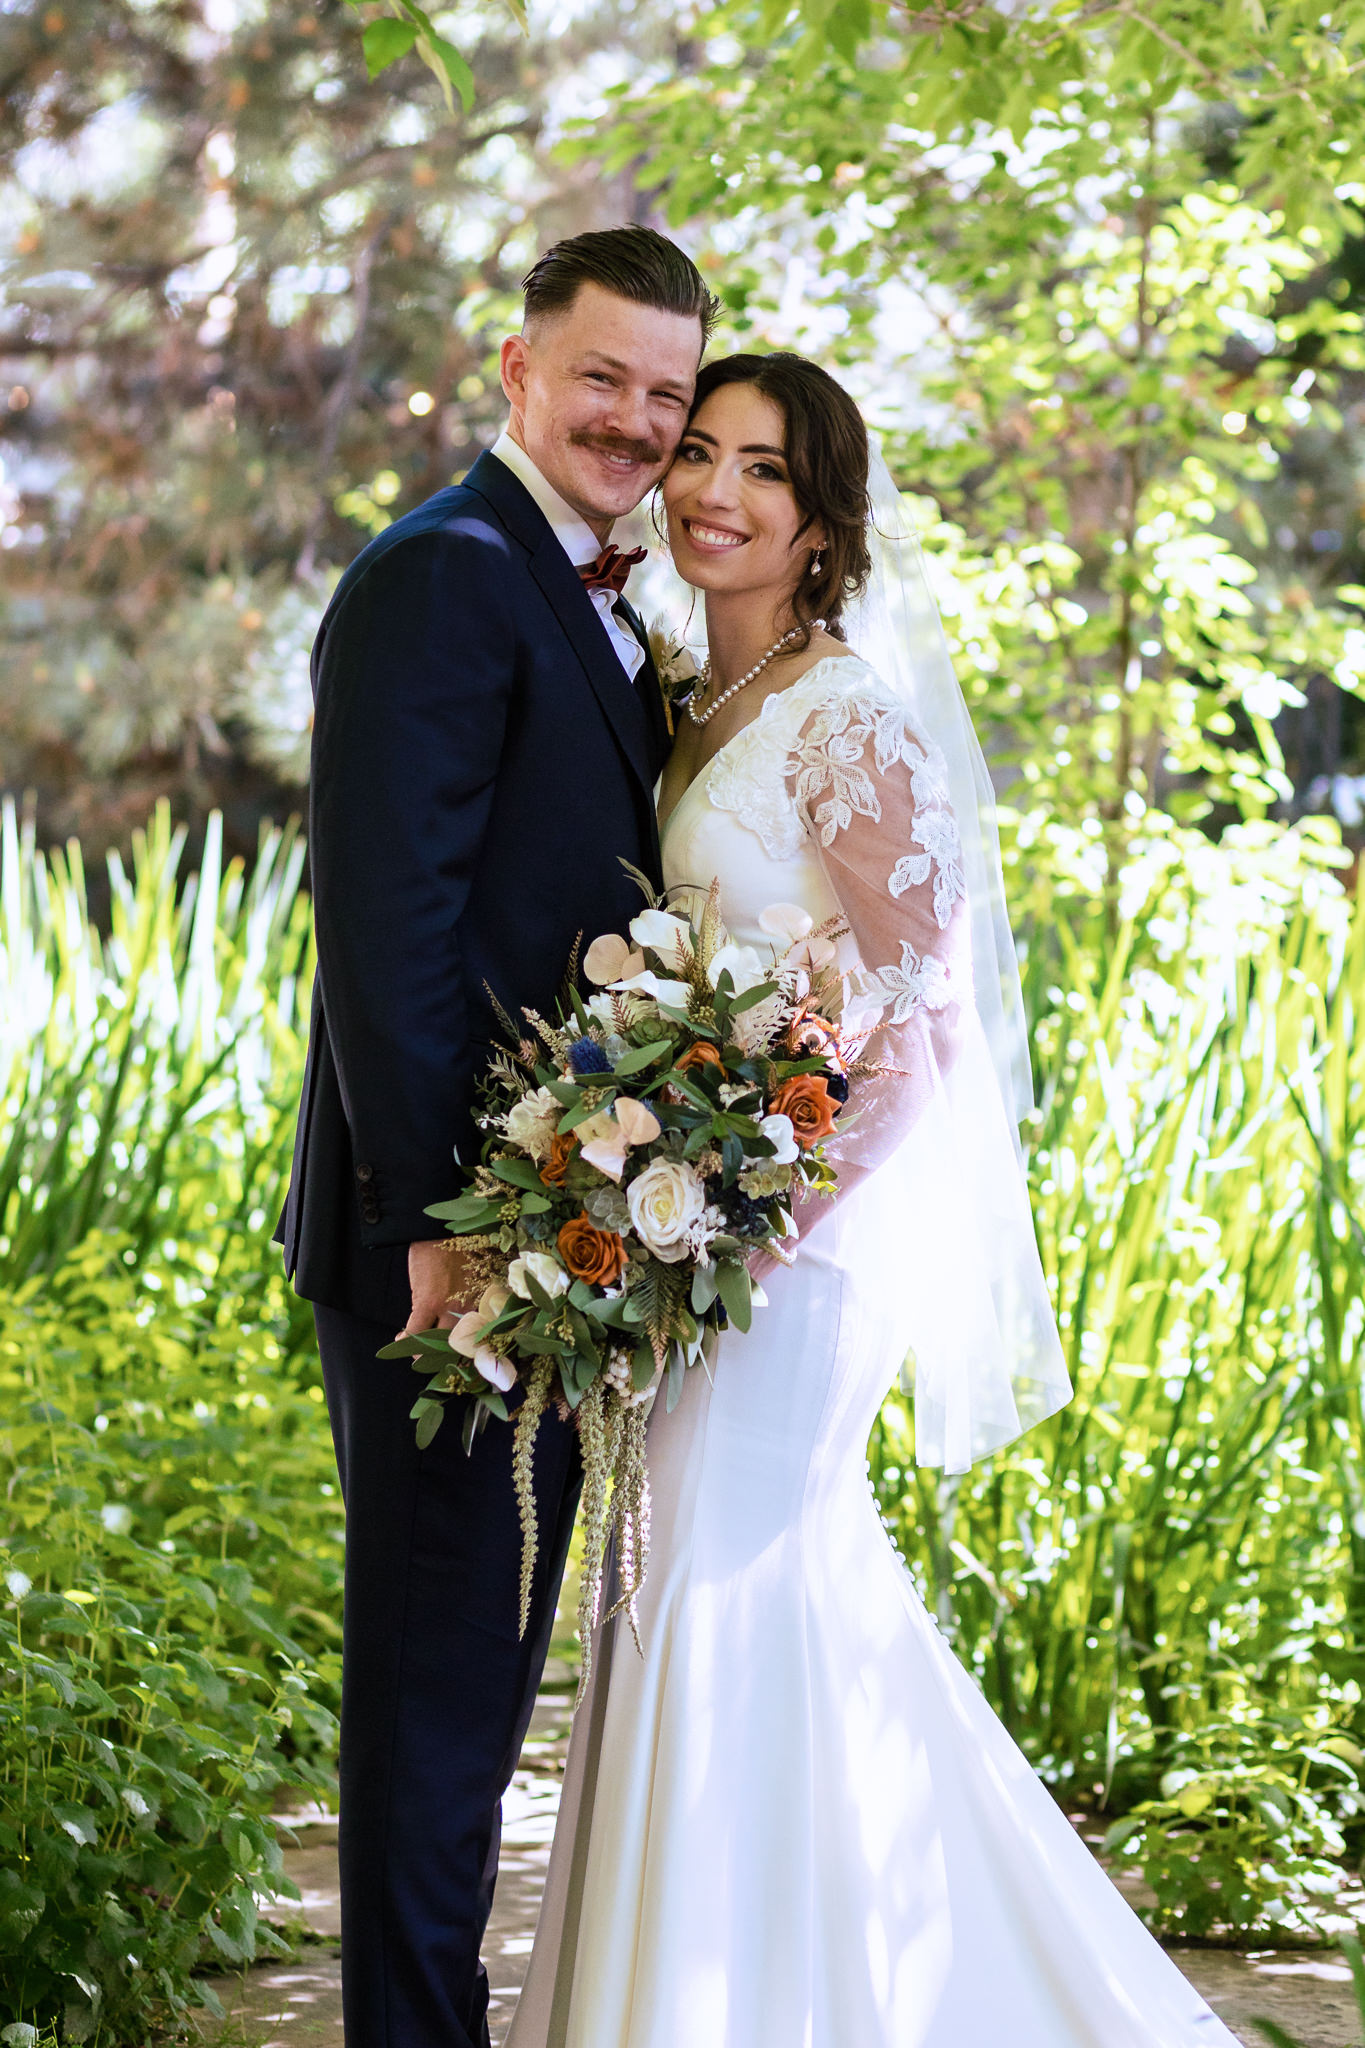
[169,1539]
[1246,1833]
[171,1557]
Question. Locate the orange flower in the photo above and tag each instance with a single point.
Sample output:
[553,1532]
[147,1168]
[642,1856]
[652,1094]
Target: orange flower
[701,1054]
[561,1151]
[597,1256]
[806,1099]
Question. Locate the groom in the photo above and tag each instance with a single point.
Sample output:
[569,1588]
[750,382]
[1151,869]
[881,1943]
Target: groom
[488,732]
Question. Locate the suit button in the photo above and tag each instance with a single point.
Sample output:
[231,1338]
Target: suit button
[363,1173]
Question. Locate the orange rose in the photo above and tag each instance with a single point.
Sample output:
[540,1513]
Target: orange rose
[702,1054]
[561,1151]
[806,1099]
[597,1256]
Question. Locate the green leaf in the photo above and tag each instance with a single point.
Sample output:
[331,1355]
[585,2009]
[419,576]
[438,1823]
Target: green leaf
[428,1415]
[751,996]
[384,42]
[450,69]
[464,1213]
[736,1292]
[637,1056]
[705,1286]
[518,1173]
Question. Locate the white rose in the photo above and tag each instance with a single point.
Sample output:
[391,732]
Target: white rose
[530,1124]
[747,969]
[781,1132]
[670,937]
[666,1204]
[546,1271]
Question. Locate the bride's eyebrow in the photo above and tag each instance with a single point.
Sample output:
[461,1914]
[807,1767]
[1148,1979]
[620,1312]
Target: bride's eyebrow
[750,447]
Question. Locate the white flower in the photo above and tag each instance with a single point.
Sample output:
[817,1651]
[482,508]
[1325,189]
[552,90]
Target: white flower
[608,958]
[781,1132]
[546,1271]
[746,967]
[497,1370]
[19,1583]
[810,955]
[464,1338]
[670,937]
[673,993]
[667,1202]
[604,1139]
[135,1804]
[530,1124]
[637,1120]
[493,1300]
[786,921]
[117,1518]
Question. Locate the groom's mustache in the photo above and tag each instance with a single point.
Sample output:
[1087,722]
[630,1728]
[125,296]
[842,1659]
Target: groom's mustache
[614,444]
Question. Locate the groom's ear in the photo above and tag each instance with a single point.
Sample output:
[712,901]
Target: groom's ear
[512,365]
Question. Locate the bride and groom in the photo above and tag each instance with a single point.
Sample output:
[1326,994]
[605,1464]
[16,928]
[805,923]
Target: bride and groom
[792,1822]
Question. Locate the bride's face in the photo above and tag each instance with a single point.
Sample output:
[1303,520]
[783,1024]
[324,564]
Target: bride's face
[733,520]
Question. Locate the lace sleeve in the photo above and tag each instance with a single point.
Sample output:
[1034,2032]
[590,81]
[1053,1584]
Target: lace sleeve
[874,801]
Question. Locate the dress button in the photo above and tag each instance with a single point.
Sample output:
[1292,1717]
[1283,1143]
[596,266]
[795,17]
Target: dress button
[364,1173]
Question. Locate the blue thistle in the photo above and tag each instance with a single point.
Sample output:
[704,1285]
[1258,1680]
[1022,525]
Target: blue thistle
[587,1057]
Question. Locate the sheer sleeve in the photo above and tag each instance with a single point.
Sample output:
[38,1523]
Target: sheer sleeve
[873,799]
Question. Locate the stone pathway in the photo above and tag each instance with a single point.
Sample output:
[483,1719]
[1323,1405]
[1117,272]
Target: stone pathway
[298,2005]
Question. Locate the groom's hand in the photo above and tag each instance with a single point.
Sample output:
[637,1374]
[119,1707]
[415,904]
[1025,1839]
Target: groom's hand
[440,1284]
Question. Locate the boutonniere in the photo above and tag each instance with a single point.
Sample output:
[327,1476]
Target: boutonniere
[674,664]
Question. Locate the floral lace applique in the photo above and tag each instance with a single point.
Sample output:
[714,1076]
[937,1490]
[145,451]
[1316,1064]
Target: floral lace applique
[919,982]
[829,756]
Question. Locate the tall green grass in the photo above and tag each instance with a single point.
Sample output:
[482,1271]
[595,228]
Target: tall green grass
[147,1075]
[1183,1548]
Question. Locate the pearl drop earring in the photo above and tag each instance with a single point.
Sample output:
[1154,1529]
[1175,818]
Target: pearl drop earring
[817,558]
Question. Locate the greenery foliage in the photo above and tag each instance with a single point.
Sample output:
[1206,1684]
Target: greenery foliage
[170,1535]
[1180,1551]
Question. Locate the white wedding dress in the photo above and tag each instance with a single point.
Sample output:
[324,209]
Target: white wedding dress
[794,1822]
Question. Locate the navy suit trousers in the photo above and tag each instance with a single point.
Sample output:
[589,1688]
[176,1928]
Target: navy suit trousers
[437,1692]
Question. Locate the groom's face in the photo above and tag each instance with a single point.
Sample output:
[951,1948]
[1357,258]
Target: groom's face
[599,396]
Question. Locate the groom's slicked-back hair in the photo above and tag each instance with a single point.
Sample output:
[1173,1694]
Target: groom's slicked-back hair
[635,263]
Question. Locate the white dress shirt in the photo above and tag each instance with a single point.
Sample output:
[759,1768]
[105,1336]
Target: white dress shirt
[579,543]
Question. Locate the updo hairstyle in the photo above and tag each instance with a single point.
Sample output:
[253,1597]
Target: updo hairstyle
[827,460]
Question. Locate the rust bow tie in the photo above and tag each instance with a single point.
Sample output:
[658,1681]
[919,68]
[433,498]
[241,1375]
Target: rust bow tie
[610,570]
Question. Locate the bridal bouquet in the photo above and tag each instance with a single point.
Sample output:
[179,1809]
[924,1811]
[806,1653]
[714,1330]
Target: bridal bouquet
[637,1152]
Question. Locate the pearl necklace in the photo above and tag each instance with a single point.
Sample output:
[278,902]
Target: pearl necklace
[704,679]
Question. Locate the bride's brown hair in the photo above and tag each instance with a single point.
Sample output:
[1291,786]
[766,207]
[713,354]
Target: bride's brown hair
[827,459]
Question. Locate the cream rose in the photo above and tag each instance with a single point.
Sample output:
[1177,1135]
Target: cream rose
[530,1124]
[667,1203]
[547,1273]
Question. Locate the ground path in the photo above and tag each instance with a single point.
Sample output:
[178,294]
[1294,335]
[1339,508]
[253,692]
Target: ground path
[298,2005]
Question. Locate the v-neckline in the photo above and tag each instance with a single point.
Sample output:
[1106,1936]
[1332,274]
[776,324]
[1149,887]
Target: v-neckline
[776,698]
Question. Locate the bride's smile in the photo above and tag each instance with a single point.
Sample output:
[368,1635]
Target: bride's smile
[733,520]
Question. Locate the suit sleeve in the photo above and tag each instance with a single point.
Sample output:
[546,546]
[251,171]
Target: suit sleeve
[414,682]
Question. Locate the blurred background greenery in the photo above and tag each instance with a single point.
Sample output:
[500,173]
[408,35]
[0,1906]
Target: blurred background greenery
[1097,273]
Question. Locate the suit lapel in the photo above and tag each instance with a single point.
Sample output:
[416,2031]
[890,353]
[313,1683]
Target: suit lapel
[563,587]
[649,688]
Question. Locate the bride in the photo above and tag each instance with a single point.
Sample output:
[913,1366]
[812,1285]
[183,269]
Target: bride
[794,1822]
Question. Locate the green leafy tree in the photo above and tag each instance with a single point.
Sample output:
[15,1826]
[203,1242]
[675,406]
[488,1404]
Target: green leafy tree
[1097,334]
[246,303]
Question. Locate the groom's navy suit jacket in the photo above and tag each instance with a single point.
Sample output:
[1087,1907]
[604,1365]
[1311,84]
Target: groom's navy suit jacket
[481,765]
